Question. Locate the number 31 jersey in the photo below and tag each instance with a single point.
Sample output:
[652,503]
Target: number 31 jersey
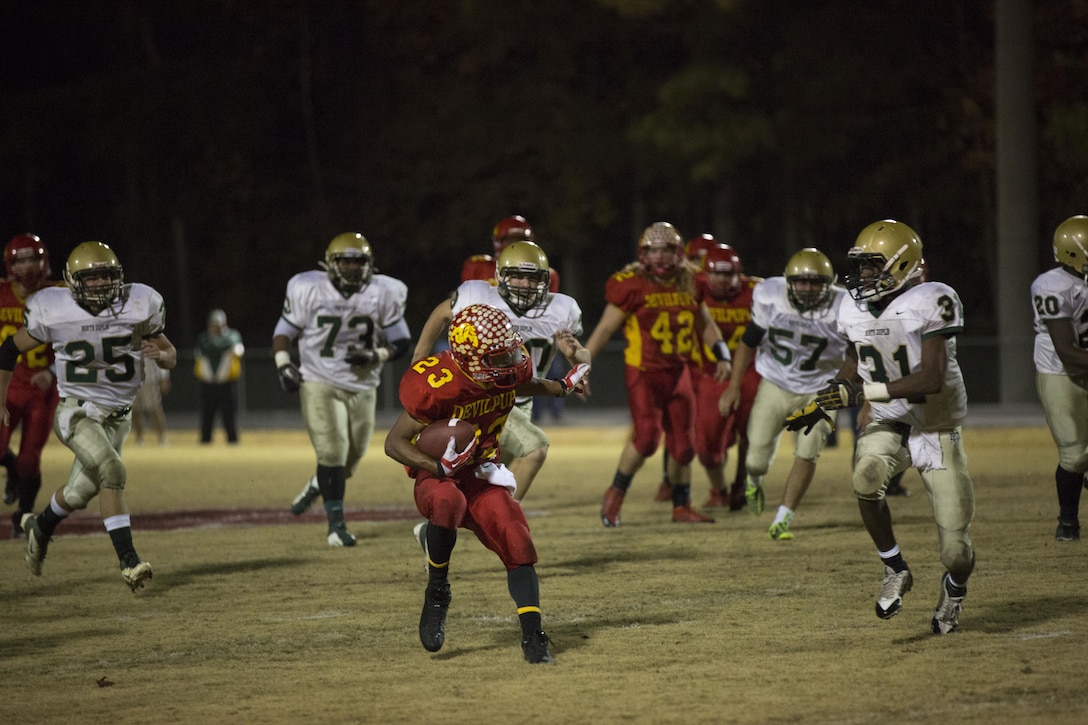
[888,344]
[1057,295]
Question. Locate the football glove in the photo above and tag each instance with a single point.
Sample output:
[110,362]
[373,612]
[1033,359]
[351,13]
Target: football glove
[807,418]
[452,460]
[840,393]
[290,378]
[574,381]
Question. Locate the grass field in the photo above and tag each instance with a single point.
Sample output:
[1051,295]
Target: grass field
[652,622]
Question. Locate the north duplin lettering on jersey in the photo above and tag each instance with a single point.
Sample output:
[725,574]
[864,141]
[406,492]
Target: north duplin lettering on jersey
[485,405]
[98,327]
[670,299]
[880,331]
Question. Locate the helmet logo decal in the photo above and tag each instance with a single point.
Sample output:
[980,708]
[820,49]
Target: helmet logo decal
[465,332]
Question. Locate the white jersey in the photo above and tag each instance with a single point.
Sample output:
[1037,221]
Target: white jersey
[328,323]
[538,327]
[799,352]
[1058,295]
[98,356]
[889,347]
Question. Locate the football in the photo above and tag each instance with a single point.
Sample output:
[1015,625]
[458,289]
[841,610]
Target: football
[434,438]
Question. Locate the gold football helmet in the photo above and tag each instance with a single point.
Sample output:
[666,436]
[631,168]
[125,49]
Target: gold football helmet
[661,236]
[94,276]
[809,277]
[526,265]
[886,256]
[349,262]
[1071,244]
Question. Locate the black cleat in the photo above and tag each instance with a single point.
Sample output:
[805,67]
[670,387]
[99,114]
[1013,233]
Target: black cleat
[1067,531]
[432,622]
[535,647]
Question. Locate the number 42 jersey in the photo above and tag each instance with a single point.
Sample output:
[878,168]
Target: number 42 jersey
[888,344]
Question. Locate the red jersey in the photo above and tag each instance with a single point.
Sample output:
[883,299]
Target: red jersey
[436,388]
[662,326]
[732,317]
[482,266]
[34,360]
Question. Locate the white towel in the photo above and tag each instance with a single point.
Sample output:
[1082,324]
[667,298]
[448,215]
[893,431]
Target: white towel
[497,475]
[68,416]
[925,450]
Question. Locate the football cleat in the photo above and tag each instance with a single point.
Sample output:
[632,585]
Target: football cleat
[339,536]
[432,622]
[135,576]
[1067,531]
[610,507]
[947,615]
[305,499]
[664,492]
[780,531]
[717,500]
[753,496]
[36,544]
[688,515]
[895,585]
[736,496]
[420,532]
[535,648]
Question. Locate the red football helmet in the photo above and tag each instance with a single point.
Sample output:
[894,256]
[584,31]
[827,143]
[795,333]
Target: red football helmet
[696,248]
[24,247]
[664,243]
[509,230]
[487,348]
[724,268]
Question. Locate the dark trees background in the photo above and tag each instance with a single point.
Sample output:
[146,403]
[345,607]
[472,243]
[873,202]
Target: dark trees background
[218,145]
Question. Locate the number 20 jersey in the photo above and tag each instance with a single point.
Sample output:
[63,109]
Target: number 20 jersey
[1057,295]
[888,344]
[98,356]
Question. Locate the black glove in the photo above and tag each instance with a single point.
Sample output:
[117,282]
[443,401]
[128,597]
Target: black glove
[841,393]
[290,378]
[361,356]
[807,418]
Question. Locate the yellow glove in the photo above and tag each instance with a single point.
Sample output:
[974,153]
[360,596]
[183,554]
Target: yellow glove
[807,418]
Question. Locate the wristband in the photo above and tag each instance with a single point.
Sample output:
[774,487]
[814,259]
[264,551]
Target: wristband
[382,354]
[876,392]
[282,358]
[721,351]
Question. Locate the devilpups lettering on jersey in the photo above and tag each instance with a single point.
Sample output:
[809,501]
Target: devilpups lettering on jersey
[33,360]
[732,317]
[435,388]
[98,356]
[662,328]
[1057,295]
[888,343]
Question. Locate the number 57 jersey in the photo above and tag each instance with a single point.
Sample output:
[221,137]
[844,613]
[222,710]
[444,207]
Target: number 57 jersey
[888,344]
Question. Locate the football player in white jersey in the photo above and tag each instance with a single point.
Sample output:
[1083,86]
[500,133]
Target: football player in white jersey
[101,330]
[547,321]
[795,344]
[348,321]
[1060,300]
[902,359]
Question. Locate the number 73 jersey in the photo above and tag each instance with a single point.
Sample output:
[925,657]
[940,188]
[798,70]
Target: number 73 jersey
[888,343]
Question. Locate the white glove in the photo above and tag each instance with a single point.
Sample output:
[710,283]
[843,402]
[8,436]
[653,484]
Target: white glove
[497,475]
[572,381]
[452,460]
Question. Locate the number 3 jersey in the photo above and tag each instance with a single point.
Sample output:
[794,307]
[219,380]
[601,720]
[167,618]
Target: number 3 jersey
[799,351]
[888,344]
[328,323]
[98,356]
[1057,295]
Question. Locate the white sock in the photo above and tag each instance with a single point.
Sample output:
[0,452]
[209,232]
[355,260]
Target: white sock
[784,514]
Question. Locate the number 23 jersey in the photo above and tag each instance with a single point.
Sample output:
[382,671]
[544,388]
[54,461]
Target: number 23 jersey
[888,343]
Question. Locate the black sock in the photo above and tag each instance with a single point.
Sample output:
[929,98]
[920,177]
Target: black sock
[952,589]
[48,520]
[440,543]
[332,482]
[525,591]
[622,481]
[681,494]
[1069,487]
[895,562]
[122,544]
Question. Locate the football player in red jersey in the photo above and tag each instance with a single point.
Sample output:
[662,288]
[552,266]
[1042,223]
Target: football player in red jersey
[32,397]
[477,379]
[508,230]
[659,302]
[730,304]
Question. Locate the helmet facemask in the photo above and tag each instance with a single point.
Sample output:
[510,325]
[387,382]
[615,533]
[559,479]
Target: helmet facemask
[349,272]
[94,276]
[27,261]
[871,277]
[523,289]
[807,292]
